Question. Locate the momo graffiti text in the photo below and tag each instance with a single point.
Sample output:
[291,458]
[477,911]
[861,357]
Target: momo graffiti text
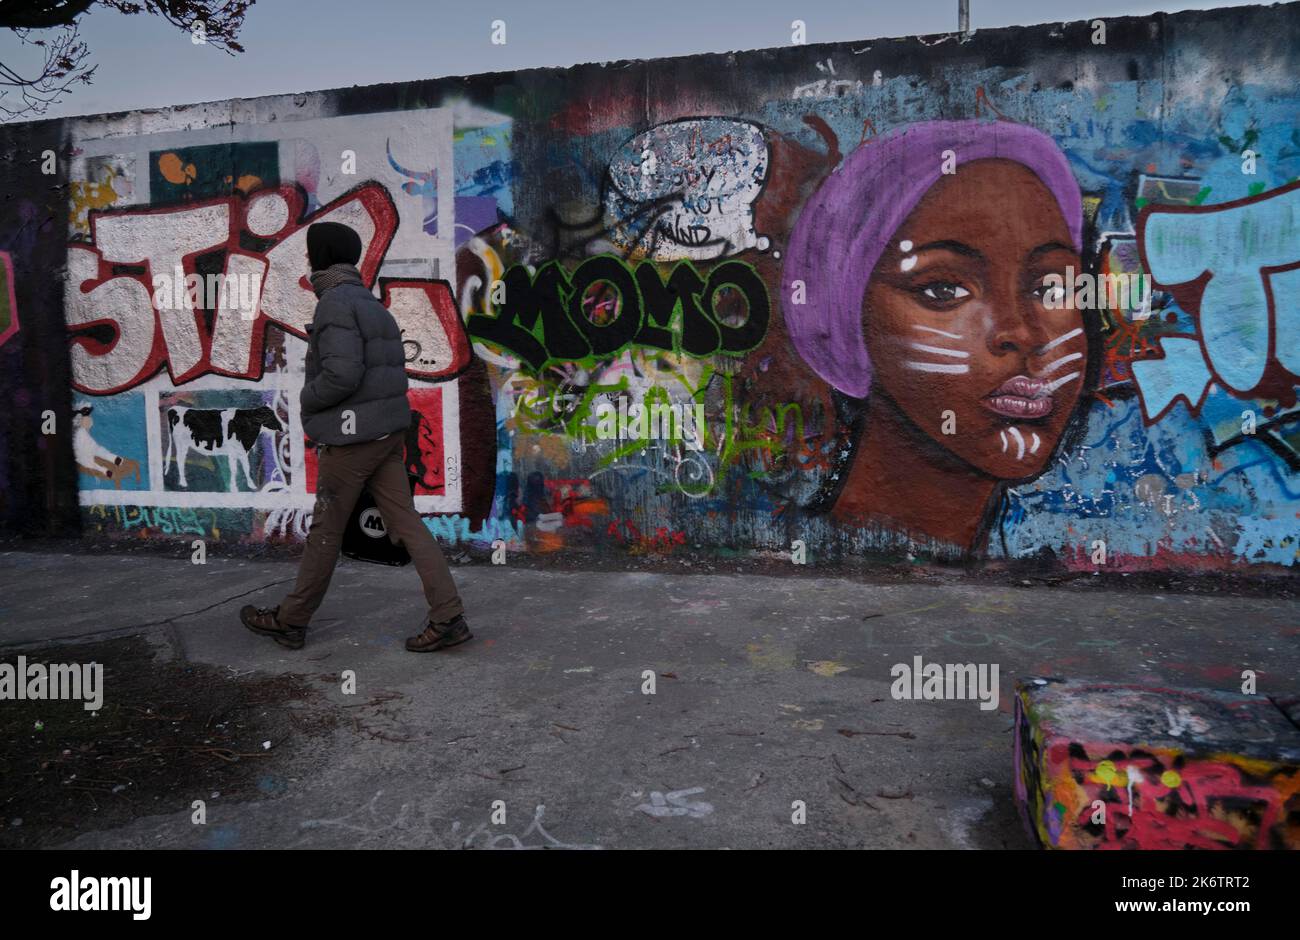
[605,306]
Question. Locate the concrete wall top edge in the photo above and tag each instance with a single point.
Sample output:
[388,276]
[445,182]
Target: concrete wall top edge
[979,41]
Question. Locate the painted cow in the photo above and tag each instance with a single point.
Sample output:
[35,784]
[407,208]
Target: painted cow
[229,431]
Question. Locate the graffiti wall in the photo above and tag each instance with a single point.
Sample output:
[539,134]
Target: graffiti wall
[1031,294]
[187,306]
[38,486]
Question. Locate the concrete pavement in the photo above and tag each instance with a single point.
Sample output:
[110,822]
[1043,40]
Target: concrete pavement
[768,690]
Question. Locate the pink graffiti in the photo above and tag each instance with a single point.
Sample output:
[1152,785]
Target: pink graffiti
[9,313]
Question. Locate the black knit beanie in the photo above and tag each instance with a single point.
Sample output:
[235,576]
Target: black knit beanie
[332,243]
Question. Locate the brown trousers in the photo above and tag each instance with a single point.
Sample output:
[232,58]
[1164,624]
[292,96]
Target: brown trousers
[342,472]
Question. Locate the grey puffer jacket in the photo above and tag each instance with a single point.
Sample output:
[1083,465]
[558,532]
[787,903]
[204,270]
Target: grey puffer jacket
[355,363]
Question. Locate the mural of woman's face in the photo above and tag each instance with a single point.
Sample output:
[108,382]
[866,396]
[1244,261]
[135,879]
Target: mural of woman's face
[958,324]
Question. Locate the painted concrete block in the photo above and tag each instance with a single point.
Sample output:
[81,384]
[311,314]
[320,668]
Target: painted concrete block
[1108,766]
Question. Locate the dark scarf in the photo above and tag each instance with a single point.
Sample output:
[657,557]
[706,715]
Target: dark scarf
[333,276]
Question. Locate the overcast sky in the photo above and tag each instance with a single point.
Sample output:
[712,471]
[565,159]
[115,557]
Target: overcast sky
[303,45]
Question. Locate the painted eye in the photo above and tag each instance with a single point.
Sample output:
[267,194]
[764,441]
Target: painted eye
[1051,296]
[944,292]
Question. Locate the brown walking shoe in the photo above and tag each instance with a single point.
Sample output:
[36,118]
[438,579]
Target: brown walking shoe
[439,636]
[265,621]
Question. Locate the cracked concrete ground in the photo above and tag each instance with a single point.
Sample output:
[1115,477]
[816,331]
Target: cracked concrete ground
[768,690]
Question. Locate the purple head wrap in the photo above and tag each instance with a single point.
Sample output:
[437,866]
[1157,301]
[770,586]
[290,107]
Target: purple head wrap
[844,228]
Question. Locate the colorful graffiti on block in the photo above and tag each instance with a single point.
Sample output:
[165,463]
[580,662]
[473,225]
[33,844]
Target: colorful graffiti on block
[978,310]
[1102,766]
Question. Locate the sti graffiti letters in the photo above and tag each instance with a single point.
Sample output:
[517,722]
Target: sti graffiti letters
[146,334]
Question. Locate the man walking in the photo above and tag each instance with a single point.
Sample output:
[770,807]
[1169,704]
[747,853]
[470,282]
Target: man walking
[354,408]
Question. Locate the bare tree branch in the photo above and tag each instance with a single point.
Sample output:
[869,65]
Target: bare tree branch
[66,56]
[222,19]
[64,65]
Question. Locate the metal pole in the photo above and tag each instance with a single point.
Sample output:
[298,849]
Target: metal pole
[963,17]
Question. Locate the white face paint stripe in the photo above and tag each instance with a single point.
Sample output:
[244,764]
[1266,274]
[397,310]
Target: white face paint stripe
[1020,442]
[1033,448]
[1053,386]
[937,367]
[930,329]
[1057,363]
[1003,435]
[940,351]
[1063,338]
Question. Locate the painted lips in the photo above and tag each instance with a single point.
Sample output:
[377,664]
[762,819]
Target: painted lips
[1020,397]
